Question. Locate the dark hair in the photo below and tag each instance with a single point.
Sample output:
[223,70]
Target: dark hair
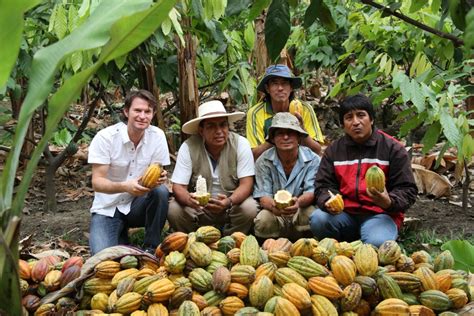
[356,102]
[142,94]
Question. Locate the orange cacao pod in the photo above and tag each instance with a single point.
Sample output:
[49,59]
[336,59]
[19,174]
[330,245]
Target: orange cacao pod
[24,269]
[151,175]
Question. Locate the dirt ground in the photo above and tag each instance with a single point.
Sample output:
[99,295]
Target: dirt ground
[68,227]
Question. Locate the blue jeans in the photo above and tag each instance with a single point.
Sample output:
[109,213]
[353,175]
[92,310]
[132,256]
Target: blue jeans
[149,211]
[372,229]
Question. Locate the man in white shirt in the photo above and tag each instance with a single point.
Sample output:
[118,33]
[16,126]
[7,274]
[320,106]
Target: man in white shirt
[119,155]
[225,160]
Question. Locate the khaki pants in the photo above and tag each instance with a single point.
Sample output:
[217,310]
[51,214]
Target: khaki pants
[238,218]
[268,225]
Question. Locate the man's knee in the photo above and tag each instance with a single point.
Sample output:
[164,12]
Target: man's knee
[318,219]
[265,224]
[249,208]
[160,193]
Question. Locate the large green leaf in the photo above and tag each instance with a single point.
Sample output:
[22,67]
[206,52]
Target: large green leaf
[93,33]
[11,26]
[463,253]
[431,137]
[450,129]
[277,27]
[469,32]
[257,8]
[318,9]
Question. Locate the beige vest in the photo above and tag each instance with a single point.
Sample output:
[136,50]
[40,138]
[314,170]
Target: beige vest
[227,163]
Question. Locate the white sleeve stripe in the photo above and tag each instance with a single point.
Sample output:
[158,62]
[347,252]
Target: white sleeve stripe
[363,161]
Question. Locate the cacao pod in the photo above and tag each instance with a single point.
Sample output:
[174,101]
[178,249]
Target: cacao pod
[151,176]
[375,179]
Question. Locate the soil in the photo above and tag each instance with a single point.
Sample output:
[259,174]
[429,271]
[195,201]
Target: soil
[68,228]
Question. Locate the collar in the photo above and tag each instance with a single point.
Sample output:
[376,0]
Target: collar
[126,138]
[268,107]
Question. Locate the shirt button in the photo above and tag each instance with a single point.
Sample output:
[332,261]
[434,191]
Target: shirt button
[131,174]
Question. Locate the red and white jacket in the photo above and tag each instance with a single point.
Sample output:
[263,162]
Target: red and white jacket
[343,169]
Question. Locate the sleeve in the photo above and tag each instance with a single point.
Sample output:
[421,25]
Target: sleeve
[254,128]
[311,123]
[325,179]
[401,185]
[263,181]
[183,168]
[99,150]
[161,153]
[245,162]
[310,177]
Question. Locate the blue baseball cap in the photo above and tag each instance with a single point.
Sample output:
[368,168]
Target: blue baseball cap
[280,71]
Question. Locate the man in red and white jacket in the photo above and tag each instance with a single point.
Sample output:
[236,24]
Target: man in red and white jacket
[369,215]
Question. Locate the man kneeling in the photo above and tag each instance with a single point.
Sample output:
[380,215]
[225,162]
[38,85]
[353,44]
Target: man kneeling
[286,166]
[225,160]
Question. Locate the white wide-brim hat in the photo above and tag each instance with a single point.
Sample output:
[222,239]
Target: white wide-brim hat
[209,110]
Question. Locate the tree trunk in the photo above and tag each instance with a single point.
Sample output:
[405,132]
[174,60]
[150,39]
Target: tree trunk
[16,102]
[188,88]
[54,162]
[260,53]
[470,108]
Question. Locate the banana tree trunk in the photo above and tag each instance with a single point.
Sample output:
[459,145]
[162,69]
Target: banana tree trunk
[188,87]
[260,53]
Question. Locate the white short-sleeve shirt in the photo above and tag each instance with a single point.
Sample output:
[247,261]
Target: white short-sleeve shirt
[245,166]
[112,146]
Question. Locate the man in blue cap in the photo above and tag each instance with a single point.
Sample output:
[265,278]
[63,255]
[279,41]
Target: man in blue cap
[278,84]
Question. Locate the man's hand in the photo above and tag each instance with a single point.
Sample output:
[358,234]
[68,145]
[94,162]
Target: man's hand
[331,209]
[133,187]
[381,199]
[163,178]
[300,119]
[193,203]
[269,204]
[291,210]
[218,204]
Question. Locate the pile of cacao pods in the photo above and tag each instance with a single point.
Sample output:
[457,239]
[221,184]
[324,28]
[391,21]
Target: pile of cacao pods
[202,273]
[46,275]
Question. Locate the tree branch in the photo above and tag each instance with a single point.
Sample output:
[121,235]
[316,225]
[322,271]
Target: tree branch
[456,40]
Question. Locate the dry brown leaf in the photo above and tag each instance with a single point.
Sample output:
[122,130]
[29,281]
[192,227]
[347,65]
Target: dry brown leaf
[430,182]
[51,252]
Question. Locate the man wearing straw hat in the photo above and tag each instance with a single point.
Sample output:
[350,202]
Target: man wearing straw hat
[225,160]
[279,84]
[286,166]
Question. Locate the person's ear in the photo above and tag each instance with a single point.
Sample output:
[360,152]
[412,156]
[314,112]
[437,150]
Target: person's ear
[125,112]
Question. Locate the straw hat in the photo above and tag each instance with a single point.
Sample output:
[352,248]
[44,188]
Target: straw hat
[209,110]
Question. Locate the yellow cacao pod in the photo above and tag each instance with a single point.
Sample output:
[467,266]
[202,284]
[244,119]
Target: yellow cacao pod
[296,107]
[107,269]
[343,269]
[100,301]
[335,202]
[375,178]
[297,295]
[128,303]
[151,175]
[366,260]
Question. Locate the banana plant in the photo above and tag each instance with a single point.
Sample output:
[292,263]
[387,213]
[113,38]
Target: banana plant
[116,27]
